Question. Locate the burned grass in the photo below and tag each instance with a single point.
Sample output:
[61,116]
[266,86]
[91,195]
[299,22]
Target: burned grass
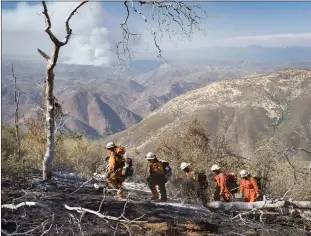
[156,219]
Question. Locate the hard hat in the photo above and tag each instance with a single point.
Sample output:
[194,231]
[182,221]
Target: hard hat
[110,145]
[215,167]
[150,156]
[243,173]
[184,165]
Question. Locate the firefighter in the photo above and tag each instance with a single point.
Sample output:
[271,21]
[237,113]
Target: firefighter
[221,190]
[156,177]
[115,167]
[196,183]
[232,183]
[248,187]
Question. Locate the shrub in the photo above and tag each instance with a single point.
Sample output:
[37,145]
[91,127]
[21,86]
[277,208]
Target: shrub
[193,144]
[8,142]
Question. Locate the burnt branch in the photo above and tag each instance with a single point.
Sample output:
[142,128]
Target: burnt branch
[14,207]
[68,29]
[44,55]
[295,169]
[48,25]
[86,182]
[102,216]
[125,46]
[167,17]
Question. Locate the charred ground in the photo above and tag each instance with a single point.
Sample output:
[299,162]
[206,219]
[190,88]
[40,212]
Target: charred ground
[165,219]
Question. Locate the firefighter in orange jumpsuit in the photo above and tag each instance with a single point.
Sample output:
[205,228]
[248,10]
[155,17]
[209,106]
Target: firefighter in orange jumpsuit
[115,167]
[248,187]
[156,177]
[221,190]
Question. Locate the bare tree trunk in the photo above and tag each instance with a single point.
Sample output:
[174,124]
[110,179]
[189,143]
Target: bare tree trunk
[50,115]
[50,99]
[16,100]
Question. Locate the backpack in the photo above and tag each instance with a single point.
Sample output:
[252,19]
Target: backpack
[231,182]
[259,181]
[129,170]
[120,151]
[167,170]
[202,179]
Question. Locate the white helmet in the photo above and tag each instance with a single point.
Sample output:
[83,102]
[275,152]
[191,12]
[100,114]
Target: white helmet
[243,173]
[110,145]
[215,167]
[150,156]
[184,165]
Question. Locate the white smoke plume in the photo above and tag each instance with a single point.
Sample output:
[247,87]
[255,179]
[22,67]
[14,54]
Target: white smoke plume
[23,32]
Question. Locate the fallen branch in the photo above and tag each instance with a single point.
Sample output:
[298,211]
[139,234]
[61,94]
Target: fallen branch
[32,230]
[14,207]
[229,206]
[82,185]
[106,217]
[70,177]
[245,206]
[303,214]
[301,204]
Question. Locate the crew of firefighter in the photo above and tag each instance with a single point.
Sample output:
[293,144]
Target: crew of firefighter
[195,182]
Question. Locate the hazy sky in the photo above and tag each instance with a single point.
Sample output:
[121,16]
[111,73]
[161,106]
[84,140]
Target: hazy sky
[97,28]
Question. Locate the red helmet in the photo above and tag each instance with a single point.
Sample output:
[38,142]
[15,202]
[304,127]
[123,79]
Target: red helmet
[232,176]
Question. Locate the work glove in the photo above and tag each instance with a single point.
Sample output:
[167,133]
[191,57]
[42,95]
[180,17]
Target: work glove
[96,186]
[221,194]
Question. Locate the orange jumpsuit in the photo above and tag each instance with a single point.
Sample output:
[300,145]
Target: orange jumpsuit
[114,175]
[221,188]
[157,177]
[249,189]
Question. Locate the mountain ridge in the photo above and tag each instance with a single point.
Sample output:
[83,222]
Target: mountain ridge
[122,100]
[244,110]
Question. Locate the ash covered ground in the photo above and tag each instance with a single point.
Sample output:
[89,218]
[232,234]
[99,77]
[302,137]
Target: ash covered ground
[171,218]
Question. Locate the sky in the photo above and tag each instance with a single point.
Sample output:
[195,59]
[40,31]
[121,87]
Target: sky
[96,29]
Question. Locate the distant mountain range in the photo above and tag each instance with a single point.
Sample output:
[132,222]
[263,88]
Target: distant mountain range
[101,101]
[245,111]
[277,56]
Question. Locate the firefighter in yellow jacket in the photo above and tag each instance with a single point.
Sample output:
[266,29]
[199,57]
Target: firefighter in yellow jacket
[196,183]
[115,167]
[156,177]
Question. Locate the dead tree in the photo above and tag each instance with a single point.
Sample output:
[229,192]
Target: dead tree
[16,100]
[50,100]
